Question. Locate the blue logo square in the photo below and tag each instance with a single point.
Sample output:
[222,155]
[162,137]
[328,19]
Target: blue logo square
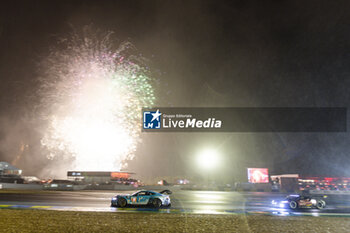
[152,120]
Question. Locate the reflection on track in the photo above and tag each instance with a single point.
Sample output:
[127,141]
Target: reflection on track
[172,210]
[201,202]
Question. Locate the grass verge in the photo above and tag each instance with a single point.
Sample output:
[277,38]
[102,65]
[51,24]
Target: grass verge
[14,220]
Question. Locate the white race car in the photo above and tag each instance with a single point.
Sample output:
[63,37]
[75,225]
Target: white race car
[143,197]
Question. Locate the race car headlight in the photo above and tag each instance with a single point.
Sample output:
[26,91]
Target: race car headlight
[313,201]
[114,198]
[273,202]
[281,205]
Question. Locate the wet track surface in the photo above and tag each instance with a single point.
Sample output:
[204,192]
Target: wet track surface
[182,201]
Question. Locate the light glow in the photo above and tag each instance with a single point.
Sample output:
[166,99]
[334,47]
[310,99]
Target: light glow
[208,159]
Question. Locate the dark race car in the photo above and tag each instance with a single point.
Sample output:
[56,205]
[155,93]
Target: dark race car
[300,201]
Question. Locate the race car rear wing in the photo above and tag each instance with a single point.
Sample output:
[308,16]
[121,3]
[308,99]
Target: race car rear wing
[166,192]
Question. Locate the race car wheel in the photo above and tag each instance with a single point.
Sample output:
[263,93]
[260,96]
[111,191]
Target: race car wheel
[112,205]
[320,205]
[157,203]
[122,202]
[293,205]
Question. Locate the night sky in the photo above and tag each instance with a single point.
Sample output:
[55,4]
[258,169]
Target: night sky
[203,53]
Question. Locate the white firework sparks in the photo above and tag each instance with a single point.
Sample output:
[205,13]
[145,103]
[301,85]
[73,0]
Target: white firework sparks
[93,97]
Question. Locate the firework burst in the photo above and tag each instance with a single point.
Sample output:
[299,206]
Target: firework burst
[92,95]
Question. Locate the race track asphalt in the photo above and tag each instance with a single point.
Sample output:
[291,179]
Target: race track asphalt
[206,202]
